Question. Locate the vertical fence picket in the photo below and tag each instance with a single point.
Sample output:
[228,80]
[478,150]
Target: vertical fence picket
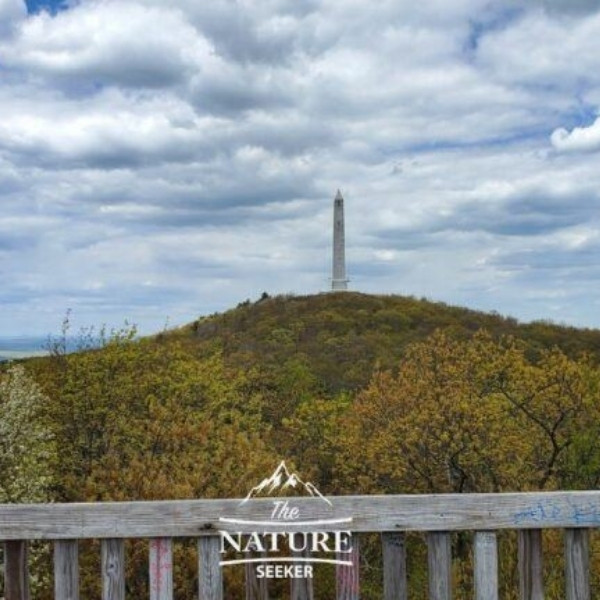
[301,588]
[347,576]
[394,566]
[529,514]
[161,569]
[113,569]
[531,586]
[256,588]
[486,565]
[210,580]
[16,571]
[577,564]
[439,558]
[66,569]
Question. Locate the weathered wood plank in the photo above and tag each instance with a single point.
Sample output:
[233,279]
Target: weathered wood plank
[161,569]
[439,559]
[394,566]
[301,588]
[348,576]
[486,565]
[531,583]
[210,581]
[256,588]
[197,518]
[113,569]
[66,570]
[577,564]
[16,570]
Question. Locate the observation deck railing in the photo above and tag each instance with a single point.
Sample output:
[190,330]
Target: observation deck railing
[392,516]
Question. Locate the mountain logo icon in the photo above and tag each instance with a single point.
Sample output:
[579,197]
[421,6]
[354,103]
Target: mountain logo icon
[281,483]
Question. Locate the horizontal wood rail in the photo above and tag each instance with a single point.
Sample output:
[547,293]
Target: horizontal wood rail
[392,516]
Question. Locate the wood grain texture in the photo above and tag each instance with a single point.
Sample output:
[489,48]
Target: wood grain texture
[301,588]
[394,566]
[161,569]
[16,570]
[486,565]
[439,560]
[256,588]
[348,577]
[113,569]
[210,581]
[196,518]
[577,564]
[531,583]
[66,570]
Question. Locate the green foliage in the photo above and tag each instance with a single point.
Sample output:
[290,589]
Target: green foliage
[313,436]
[365,394]
[469,416]
[342,337]
[147,420]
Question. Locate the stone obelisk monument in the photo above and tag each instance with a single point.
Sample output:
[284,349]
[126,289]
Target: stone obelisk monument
[338,279]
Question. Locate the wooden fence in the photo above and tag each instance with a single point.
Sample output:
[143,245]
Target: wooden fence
[437,515]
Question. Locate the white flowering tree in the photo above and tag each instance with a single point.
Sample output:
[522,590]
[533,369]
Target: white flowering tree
[26,444]
[27,453]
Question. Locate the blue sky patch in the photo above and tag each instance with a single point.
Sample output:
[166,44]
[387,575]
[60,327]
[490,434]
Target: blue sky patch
[51,6]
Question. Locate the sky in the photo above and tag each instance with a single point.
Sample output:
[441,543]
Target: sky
[162,161]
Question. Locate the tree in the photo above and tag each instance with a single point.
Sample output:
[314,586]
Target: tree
[27,456]
[474,415]
[148,420]
[27,446]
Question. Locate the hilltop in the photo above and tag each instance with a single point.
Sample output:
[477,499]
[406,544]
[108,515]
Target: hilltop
[333,341]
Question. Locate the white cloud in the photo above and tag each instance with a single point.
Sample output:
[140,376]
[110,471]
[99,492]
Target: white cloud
[113,129]
[544,53]
[116,43]
[580,139]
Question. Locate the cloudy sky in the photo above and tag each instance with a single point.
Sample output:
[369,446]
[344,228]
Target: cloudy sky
[164,160]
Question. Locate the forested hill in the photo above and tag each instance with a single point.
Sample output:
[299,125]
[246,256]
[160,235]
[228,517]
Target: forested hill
[363,394]
[337,339]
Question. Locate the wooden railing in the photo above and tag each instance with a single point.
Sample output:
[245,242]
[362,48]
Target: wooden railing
[392,516]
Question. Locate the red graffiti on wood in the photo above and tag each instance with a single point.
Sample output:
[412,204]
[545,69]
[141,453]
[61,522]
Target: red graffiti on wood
[161,567]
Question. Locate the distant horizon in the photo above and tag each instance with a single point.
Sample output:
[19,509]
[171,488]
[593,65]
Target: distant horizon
[25,340]
[36,343]
[23,346]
